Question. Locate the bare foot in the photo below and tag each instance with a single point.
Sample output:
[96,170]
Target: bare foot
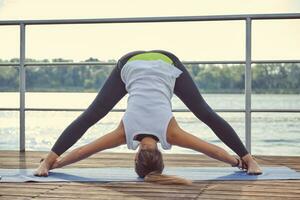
[42,170]
[252,166]
[46,164]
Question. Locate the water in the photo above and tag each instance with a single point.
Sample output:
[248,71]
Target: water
[272,133]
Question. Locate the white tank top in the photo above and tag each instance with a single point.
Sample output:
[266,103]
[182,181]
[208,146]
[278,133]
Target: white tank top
[150,85]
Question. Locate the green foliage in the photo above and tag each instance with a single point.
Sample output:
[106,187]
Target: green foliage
[266,78]
[9,78]
[277,78]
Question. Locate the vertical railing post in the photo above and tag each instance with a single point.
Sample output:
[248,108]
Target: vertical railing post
[22,87]
[248,85]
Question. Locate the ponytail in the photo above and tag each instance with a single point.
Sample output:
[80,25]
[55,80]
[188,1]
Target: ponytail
[164,179]
[149,165]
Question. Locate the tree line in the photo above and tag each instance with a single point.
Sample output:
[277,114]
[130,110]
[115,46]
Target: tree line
[210,78]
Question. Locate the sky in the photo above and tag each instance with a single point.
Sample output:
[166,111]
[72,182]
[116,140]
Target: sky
[272,39]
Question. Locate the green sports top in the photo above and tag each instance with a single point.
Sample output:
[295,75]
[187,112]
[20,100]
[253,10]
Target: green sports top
[151,56]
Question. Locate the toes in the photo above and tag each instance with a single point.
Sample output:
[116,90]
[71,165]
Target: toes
[254,173]
[43,174]
[40,173]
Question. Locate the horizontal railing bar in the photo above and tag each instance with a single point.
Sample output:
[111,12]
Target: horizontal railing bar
[9,109]
[70,63]
[276,110]
[241,62]
[114,63]
[9,64]
[174,110]
[123,110]
[155,19]
[184,62]
[274,61]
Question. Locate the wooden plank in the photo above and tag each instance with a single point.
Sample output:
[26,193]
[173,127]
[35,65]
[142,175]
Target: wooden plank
[238,197]
[274,189]
[15,198]
[265,194]
[99,197]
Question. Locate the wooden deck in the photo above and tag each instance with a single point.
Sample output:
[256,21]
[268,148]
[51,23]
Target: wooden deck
[280,189]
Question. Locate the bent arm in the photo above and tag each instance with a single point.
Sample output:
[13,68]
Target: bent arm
[110,140]
[184,139]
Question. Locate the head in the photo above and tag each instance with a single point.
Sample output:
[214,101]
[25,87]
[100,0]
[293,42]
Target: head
[149,164]
[148,158]
[147,161]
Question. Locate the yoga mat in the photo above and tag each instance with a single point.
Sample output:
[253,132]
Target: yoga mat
[128,174]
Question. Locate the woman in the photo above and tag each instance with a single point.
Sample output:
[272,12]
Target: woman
[150,77]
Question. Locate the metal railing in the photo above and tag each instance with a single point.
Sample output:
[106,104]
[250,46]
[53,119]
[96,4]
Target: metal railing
[248,61]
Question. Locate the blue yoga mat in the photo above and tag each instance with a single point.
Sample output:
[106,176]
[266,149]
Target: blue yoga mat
[127,174]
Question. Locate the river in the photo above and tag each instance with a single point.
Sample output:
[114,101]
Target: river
[272,133]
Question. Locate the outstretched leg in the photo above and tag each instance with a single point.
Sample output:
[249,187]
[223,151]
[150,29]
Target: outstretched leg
[186,89]
[110,94]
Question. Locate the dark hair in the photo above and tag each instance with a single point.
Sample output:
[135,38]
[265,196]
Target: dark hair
[149,165]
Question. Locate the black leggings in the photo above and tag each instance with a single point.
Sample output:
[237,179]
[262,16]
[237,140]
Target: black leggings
[114,90]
